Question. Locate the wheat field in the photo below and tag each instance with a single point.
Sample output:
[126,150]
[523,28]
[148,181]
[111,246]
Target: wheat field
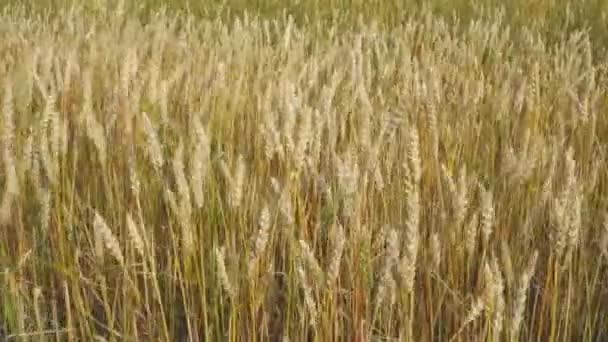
[186,175]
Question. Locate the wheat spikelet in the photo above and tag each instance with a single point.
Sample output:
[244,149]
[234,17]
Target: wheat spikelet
[487,214]
[315,145]
[461,202]
[28,153]
[470,233]
[386,282]
[373,153]
[182,211]
[364,138]
[104,232]
[226,173]
[292,105]
[458,192]
[521,296]
[528,157]
[87,92]
[49,166]
[489,286]
[52,122]
[223,274]
[272,137]
[288,33]
[8,129]
[264,224]
[11,191]
[199,164]
[593,179]
[493,296]
[304,139]
[567,210]
[535,84]
[95,132]
[386,288]
[12,183]
[286,208]
[64,138]
[348,174]
[44,79]
[261,238]
[44,197]
[474,312]
[571,180]
[574,218]
[333,269]
[311,262]
[183,189]
[35,174]
[547,189]
[134,236]
[70,67]
[519,99]
[134,182]
[235,181]
[308,298]
[94,129]
[507,264]
[449,179]
[408,263]
[499,307]
[153,74]
[25,86]
[435,251]
[153,146]
[559,234]
[434,131]
[378,179]
[128,70]
[238,183]
[163,102]
[348,179]
[413,154]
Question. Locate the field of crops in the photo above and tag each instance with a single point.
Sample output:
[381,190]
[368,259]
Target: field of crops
[304,171]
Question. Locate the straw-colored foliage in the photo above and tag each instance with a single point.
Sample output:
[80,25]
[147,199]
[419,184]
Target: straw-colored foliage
[173,176]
